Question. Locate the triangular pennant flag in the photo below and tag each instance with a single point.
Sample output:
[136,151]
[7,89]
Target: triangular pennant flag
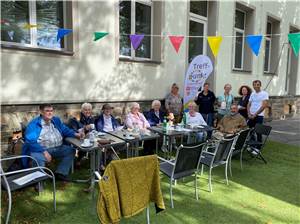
[176,41]
[136,40]
[99,35]
[254,42]
[29,26]
[294,38]
[214,43]
[62,32]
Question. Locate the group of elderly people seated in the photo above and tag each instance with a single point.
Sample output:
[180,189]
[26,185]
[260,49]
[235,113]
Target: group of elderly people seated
[44,134]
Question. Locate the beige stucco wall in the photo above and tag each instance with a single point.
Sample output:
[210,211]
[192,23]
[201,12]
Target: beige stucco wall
[288,13]
[95,73]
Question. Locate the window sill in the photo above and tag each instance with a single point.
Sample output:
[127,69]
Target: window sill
[241,71]
[270,73]
[145,61]
[38,50]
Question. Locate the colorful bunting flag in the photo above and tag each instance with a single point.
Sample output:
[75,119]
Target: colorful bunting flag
[29,26]
[62,32]
[136,40]
[99,35]
[176,41]
[254,42]
[294,38]
[214,43]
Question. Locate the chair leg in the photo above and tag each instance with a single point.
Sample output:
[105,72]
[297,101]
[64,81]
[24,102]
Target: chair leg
[148,215]
[54,194]
[241,159]
[263,159]
[171,194]
[202,167]
[9,207]
[9,200]
[196,186]
[226,168]
[230,171]
[209,180]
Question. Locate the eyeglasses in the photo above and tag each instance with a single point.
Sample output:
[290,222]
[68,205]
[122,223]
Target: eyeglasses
[48,111]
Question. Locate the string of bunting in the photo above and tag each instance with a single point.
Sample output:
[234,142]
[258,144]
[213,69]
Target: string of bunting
[214,42]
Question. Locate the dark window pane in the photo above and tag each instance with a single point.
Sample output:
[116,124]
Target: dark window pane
[267,54]
[14,16]
[49,15]
[199,8]
[239,42]
[195,43]
[239,19]
[125,29]
[143,26]
[269,29]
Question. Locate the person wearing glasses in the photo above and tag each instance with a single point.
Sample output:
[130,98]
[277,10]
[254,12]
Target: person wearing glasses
[44,141]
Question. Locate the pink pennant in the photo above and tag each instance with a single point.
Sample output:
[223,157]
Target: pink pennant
[176,41]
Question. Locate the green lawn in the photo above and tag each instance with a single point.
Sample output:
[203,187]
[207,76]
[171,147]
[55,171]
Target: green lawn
[258,194]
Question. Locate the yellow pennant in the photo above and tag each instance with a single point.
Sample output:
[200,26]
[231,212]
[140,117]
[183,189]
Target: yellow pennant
[214,43]
[29,26]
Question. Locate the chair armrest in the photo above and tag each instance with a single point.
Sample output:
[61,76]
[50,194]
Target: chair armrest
[210,153]
[19,157]
[41,168]
[164,160]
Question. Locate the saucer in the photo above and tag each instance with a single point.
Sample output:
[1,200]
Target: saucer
[130,138]
[101,133]
[86,146]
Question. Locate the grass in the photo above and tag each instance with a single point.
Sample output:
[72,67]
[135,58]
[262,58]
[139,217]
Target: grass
[258,194]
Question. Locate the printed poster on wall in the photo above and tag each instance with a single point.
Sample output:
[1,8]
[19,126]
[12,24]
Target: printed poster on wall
[198,71]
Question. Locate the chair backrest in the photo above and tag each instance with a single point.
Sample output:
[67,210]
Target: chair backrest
[224,149]
[187,159]
[242,138]
[262,129]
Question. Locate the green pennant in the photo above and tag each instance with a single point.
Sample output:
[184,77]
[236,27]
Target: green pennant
[294,38]
[99,35]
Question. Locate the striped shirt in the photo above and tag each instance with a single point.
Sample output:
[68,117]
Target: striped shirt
[49,137]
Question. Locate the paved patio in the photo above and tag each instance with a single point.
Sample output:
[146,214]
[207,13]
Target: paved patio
[286,131]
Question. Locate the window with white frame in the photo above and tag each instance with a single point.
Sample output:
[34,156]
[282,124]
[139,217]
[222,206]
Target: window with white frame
[268,44]
[239,32]
[45,18]
[197,28]
[135,17]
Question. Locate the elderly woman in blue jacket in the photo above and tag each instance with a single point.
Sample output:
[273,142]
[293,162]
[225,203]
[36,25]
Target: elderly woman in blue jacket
[155,116]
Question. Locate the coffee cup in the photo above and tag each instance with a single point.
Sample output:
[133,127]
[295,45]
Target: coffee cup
[127,135]
[92,126]
[86,141]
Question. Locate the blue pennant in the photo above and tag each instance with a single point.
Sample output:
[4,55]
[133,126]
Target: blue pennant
[254,42]
[62,32]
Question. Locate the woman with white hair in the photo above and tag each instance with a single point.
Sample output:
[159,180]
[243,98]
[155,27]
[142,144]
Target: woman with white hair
[155,115]
[194,118]
[134,117]
[85,119]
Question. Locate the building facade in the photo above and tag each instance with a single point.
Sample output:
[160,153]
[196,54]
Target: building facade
[38,68]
